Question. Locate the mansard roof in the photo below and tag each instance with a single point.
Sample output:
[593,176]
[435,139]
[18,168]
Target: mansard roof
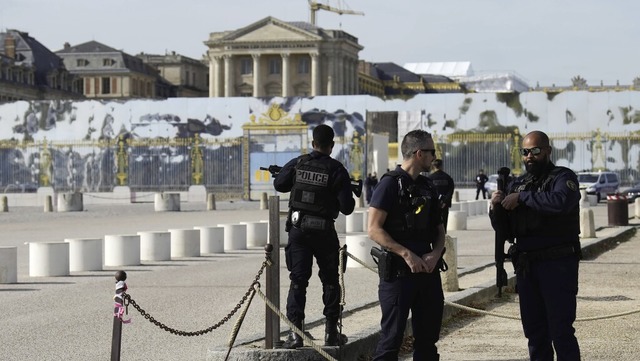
[88,47]
[30,51]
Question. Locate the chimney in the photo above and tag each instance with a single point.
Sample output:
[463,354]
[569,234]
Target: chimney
[67,46]
[10,46]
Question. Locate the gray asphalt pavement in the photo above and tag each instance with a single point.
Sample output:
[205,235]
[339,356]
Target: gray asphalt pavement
[69,318]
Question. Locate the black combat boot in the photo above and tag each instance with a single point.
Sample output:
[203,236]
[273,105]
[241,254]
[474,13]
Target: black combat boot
[331,335]
[293,339]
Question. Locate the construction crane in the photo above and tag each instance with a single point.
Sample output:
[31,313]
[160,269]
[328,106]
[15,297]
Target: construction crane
[314,6]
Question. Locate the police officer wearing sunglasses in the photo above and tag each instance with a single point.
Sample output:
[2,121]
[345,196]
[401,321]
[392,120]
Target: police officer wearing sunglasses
[542,209]
[405,220]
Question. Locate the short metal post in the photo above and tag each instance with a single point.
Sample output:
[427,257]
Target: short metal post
[116,339]
[272,322]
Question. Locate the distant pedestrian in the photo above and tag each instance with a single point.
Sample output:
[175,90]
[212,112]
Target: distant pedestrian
[370,184]
[445,186]
[481,180]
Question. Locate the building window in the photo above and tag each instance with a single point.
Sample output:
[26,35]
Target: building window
[303,65]
[275,66]
[82,62]
[108,62]
[246,66]
[106,85]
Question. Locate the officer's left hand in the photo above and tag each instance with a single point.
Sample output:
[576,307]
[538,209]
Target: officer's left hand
[511,201]
[431,261]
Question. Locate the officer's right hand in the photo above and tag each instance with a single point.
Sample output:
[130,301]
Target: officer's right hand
[496,198]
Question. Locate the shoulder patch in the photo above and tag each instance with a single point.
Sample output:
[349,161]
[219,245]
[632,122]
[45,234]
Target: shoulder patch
[572,185]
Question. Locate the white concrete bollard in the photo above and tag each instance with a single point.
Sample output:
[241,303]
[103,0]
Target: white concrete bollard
[471,208]
[593,200]
[185,242]
[354,223]
[450,277]
[155,246]
[464,207]
[211,202]
[70,202]
[584,199]
[264,203]
[637,210]
[122,250]
[8,265]
[587,223]
[365,219]
[482,206]
[85,254]
[341,223]
[457,221]
[359,245]
[48,259]
[167,202]
[211,239]
[257,233]
[235,236]
[455,206]
[456,196]
[48,204]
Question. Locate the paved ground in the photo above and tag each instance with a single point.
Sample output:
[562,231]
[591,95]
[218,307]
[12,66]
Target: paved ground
[69,318]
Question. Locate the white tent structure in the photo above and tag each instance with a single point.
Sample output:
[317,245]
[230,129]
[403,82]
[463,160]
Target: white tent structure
[462,72]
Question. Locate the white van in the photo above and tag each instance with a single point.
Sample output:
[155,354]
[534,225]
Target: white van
[599,183]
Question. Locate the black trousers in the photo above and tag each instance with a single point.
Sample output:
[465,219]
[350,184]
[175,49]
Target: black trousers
[547,294]
[422,295]
[300,251]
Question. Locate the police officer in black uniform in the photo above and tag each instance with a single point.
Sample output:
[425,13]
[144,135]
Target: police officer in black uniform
[320,188]
[445,186]
[543,213]
[405,220]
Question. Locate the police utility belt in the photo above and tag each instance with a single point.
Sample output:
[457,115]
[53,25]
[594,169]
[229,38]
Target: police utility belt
[307,222]
[391,266]
[522,260]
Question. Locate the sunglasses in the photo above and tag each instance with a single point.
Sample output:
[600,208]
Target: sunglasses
[432,151]
[534,151]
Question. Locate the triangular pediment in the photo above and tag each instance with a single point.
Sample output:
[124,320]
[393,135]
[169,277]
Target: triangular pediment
[271,29]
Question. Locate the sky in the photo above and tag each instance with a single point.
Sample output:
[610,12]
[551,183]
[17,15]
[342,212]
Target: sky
[544,41]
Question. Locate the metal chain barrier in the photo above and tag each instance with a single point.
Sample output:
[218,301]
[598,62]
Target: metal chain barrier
[511,317]
[128,300]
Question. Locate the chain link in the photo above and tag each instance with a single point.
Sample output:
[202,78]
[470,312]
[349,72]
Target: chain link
[128,300]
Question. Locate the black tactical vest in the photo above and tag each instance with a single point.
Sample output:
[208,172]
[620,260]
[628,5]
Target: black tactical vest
[414,217]
[528,222]
[311,192]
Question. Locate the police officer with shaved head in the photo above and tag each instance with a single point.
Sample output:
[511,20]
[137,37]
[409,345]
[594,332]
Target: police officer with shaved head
[543,213]
[320,188]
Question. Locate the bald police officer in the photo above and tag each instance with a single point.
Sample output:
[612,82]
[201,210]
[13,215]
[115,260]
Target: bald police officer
[543,213]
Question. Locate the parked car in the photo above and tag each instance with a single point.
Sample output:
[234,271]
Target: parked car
[633,193]
[599,183]
[491,185]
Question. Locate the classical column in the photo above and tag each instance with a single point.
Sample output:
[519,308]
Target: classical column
[228,76]
[315,75]
[331,74]
[256,75]
[215,75]
[285,74]
[212,78]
